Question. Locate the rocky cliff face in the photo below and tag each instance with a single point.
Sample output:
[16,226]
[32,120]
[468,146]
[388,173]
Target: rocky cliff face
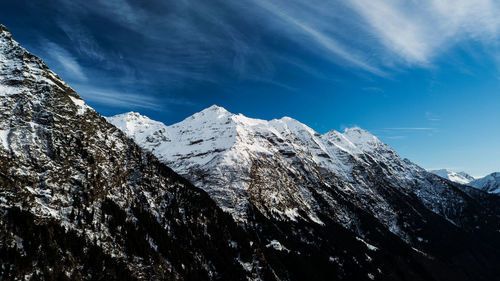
[350,181]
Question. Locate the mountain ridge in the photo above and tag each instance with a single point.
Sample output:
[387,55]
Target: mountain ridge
[233,130]
[293,175]
[208,138]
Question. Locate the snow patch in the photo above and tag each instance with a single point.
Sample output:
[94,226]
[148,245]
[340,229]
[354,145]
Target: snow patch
[8,90]
[4,138]
[80,104]
[369,246]
[275,244]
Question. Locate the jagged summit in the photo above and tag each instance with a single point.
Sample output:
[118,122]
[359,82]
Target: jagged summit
[4,31]
[131,114]
[215,108]
[134,120]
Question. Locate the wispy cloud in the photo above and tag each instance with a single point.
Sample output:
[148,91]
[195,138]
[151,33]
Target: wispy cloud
[395,137]
[171,46]
[82,40]
[64,60]
[304,24]
[432,117]
[118,99]
[189,38]
[394,27]
[410,129]
[418,31]
[398,133]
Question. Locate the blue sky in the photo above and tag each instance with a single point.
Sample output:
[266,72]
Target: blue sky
[423,76]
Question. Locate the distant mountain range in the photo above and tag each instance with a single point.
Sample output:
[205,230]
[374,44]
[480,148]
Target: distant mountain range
[489,183]
[83,197]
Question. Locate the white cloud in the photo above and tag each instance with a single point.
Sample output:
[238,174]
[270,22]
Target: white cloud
[305,24]
[378,36]
[418,31]
[127,99]
[396,28]
[67,63]
[432,117]
[82,40]
[410,129]
[117,99]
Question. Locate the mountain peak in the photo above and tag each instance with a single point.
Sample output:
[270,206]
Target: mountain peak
[458,177]
[215,108]
[130,116]
[213,112]
[489,183]
[4,30]
[131,119]
[357,131]
[362,139]
[288,119]
[133,123]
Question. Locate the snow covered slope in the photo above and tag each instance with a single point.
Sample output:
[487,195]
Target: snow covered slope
[489,183]
[458,177]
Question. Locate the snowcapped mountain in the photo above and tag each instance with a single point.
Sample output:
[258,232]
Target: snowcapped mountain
[292,175]
[458,177]
[238,159]
[225,154]
[79,200]
[489,183]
